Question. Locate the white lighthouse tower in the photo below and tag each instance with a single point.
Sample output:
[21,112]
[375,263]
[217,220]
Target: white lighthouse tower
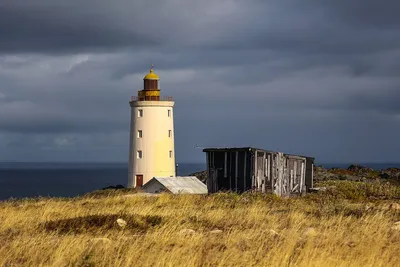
[151,148]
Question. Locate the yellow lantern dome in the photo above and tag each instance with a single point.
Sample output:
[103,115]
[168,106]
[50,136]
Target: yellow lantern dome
[151,75]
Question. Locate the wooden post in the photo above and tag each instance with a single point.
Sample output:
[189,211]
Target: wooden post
[256,170]
[302,178]
[226,165]
[215,172]
[279,173]
[263,174]
[269,172]
[253,182]
[274,175]
[230,170]
[236,170]
[290,179]
[245,171]
[312,175]
[295,172]
[208,173]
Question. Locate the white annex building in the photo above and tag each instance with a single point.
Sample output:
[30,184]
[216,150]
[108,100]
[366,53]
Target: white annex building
[151,146]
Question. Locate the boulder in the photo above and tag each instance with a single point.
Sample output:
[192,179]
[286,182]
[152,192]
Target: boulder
[118,186]
[121,222]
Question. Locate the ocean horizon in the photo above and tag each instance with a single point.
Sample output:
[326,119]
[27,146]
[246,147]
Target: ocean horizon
[70,179]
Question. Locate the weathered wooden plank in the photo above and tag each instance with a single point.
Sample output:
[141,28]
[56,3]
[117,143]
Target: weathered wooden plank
[291,180]
[295,174]
[245,171]
[226,165]
[269,171]
[230,170]
[208,173]
[285,176]
[280,175]
[274,175]
[214,189]
[215,175]
[302,177]
[263,173]
[236,170]
[256,170]
[295,187]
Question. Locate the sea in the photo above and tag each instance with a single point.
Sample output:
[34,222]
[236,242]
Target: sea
[31,179]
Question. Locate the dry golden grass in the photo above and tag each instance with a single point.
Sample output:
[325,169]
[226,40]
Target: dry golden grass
[324,229]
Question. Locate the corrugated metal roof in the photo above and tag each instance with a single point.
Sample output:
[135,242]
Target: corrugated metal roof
[182,184]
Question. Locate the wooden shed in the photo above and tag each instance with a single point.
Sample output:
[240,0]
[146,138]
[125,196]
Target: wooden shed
[251,169]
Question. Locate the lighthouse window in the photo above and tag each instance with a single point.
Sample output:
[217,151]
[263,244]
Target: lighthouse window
[169,133]
[139,134]
[140,113]
[169,113]
[139,154]
[170,154]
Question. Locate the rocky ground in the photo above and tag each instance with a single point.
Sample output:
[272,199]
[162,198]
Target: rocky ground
[352,173]
[357,173]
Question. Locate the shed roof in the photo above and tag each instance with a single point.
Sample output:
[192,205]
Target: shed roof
[180,184]
[210,149]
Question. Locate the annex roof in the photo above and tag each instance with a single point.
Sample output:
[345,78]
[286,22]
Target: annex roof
[210,149]
[180,184]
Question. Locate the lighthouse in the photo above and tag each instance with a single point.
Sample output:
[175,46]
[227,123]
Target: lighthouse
[151,146]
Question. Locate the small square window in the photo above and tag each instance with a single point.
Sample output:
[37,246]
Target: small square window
[140,113]
[169,113]
[170,154]
[169,133]
[139,134]
[139,154]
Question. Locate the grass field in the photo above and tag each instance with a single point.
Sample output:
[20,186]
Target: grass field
[352,225]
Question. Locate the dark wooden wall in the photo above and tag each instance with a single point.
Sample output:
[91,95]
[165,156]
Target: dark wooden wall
[229,171]
[241,170]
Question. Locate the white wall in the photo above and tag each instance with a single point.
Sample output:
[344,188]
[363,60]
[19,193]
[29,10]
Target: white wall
[154,144]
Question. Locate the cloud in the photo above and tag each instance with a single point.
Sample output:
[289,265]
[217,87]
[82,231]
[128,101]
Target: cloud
[310,77]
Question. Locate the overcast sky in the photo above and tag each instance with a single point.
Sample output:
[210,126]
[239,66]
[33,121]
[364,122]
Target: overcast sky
[320,78]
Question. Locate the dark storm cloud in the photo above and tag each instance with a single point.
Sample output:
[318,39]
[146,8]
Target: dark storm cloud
[72,26]
[311,77]
[310,26]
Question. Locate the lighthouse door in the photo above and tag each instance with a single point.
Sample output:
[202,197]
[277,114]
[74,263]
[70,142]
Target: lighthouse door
[139,180]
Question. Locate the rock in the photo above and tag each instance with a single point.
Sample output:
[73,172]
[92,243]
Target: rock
[351,244]
[309,232]
[187,231]
[359,168]
[384,175]
[273,232]
[122,223]
[118,186]
[216,231]
[393,173]
[202,176]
